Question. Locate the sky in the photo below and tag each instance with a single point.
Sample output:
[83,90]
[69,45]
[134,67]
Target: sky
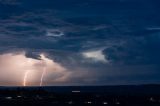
[79,42]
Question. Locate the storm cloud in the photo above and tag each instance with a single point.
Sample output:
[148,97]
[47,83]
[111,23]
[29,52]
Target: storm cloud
[95,41]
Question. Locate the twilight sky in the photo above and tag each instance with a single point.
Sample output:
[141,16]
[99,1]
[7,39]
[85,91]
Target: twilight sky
[79,42]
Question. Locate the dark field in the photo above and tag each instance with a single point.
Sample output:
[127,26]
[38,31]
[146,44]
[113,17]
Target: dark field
[147,95]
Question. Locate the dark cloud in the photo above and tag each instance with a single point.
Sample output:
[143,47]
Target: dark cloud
[9,2]
[125,33]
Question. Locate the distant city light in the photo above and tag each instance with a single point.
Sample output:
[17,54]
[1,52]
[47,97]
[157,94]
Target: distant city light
[8,97]
[19,96]
[76,91]
[70,102]
[152,99]
[88,102]
[105,103]
[117,103]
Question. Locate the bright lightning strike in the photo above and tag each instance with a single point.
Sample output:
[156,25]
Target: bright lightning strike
[25,78]
[42,77]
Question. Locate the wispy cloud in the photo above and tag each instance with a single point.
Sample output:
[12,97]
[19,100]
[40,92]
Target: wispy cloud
[153,28]
[54,33]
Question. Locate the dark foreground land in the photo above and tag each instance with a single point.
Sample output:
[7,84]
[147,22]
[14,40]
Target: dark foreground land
[145,95]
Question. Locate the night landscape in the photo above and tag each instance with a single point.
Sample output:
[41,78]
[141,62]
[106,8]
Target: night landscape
[79,52]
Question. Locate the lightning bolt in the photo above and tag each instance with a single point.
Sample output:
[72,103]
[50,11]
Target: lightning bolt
[42,77]
[25,77]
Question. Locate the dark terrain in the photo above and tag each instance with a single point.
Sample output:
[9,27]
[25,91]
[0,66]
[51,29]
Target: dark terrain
[144,95]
